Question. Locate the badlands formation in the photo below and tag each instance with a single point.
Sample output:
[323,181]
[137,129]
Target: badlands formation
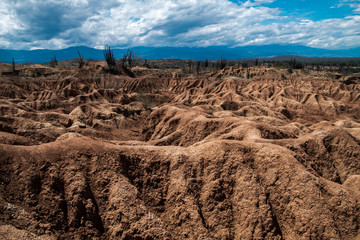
[165,155]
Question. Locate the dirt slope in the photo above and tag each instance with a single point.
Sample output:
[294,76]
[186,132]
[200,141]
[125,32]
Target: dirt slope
[90,155]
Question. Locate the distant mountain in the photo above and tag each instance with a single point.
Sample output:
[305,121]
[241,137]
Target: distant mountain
[211,53]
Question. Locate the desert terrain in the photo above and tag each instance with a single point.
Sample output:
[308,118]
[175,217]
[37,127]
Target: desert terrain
[237,153]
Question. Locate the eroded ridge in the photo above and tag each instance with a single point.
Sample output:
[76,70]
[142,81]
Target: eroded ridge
[91,155]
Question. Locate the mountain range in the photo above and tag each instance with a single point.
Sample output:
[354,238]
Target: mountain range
[196,53]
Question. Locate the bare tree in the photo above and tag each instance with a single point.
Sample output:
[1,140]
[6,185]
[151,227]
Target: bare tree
[129,58]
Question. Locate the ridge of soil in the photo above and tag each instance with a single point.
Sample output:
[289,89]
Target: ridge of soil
[85,154]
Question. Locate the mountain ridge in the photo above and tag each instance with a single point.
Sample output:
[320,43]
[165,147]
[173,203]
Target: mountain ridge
[196,53]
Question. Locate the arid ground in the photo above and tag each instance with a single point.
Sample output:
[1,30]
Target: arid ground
[238,153]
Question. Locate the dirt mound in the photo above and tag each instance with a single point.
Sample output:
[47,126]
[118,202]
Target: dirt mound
[233,189]
[241,153]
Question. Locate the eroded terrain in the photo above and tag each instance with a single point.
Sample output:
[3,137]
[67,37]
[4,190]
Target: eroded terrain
[90,155]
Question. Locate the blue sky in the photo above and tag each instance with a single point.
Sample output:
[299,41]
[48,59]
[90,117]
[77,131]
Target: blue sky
[311,9]
[56,24]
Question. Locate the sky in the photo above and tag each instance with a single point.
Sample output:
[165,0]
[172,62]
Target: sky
[58,24]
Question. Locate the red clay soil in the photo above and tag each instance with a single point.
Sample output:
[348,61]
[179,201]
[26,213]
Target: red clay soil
[90,155]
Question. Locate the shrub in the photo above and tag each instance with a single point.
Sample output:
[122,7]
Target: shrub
[206,63]
[53,62]
[13,65]
[223,63]
[81,60]
[198,64]
[109,57]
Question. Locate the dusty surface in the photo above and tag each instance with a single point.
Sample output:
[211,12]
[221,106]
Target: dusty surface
[89,155]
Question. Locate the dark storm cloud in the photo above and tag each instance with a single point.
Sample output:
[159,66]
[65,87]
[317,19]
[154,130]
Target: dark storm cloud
[44,20]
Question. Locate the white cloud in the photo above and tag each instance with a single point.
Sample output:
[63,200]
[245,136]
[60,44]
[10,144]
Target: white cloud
[355,4]
[249,3]
[9,21]
[55,24]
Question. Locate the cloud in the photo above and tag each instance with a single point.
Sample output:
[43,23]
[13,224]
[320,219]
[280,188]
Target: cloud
[9,24]
[249,3]
[355,4]
[55,24]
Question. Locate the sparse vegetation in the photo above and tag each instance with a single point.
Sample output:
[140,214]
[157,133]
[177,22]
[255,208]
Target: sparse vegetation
[345,66]
[81,60]
[295,64]
[190,63]
[128,58]
[206,63]
[198,65]
[146,63]
[109,58]
[13,65]
[53,62]
[222,63]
